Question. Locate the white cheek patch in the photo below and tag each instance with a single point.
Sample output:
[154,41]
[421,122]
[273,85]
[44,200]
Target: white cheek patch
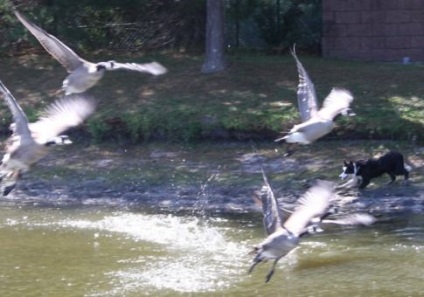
[355,169]
[354,179]
[352,182]
[344,175]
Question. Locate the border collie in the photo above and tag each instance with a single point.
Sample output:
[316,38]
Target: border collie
[391,163]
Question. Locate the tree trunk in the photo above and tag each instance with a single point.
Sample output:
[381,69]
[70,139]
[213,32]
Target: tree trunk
[214,56]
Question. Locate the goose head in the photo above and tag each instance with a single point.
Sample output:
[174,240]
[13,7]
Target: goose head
[348,112]
[58,140]
[102,66]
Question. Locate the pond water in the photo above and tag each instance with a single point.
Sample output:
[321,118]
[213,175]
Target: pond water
[94,251]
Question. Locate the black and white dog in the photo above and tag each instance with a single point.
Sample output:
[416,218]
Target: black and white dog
[391,163]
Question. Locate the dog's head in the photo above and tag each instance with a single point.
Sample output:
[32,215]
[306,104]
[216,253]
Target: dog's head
[349,168]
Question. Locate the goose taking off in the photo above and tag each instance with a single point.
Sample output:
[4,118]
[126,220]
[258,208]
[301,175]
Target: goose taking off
[82,74]
[31,141]
[316,123]
[284,236]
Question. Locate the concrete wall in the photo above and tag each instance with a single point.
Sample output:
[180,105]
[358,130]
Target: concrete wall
[373,30]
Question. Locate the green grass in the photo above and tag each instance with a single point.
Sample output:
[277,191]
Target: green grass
[254,98]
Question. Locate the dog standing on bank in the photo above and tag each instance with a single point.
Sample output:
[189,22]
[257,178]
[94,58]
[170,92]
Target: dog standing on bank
[391,163]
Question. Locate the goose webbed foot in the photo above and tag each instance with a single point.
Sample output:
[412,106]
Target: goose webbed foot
[253,266]
[269,275]
[8,189]
[271,272]
[256,260]
[290,149]
[10,181]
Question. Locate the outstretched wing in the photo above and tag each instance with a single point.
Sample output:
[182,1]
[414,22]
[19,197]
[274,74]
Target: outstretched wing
[153,68]
[313,204]
[273,215]
[20,126]
[338,101]
[352,219]
[61,115]
[306,96]
[63,54]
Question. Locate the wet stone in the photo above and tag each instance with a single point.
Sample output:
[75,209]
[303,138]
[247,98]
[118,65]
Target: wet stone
[39,184]
[408,202]
[95,183]
[133,196]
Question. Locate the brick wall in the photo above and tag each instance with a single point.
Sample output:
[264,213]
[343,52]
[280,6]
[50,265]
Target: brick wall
[373,30]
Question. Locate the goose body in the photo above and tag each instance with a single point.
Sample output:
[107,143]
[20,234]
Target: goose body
[30,142]
[82,74]
[82,79]
[316,123]
[284,236]
[309,131]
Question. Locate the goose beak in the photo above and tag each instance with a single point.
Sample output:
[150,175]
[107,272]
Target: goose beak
[59,92]
[349,112]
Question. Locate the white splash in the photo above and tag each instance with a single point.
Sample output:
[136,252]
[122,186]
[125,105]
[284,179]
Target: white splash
[196,258]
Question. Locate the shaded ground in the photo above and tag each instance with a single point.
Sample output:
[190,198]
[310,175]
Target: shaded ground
[212,177]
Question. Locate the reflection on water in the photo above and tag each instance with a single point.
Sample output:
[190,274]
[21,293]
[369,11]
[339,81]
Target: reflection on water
[101,252]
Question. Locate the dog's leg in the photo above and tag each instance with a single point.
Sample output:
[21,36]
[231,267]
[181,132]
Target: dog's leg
[406,177]
[364,183]
[406,174]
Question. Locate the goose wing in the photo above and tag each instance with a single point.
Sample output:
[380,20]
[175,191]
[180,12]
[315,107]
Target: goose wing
[62,53]
[352,219]
[314,203]
[61,115]
[153,68]
[338,101]
[306,96]
[273,215]
[20,120]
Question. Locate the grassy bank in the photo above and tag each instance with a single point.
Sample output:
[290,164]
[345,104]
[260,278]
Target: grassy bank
[254,99]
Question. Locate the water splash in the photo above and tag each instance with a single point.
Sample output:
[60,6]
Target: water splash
[203,198]
[192,257]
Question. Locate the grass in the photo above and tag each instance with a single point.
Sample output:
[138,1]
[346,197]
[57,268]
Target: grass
[255,98]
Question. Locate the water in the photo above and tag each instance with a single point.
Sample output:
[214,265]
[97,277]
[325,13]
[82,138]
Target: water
[108,252]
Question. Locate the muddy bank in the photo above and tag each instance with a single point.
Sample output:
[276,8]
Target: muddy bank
[213,178]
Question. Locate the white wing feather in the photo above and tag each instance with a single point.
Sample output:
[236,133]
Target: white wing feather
[61,115]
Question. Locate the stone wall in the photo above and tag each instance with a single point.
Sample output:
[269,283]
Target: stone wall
[373,30]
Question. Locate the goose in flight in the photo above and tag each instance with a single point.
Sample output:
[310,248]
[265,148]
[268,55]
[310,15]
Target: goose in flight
[312,210]
[82,74]
[30,142]
[316,122]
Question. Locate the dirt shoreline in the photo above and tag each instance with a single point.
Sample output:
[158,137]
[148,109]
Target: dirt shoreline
[212,178]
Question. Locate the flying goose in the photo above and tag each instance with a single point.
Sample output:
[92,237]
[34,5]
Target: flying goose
[284,236]
[82,74]
[315,123]
[31,141]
